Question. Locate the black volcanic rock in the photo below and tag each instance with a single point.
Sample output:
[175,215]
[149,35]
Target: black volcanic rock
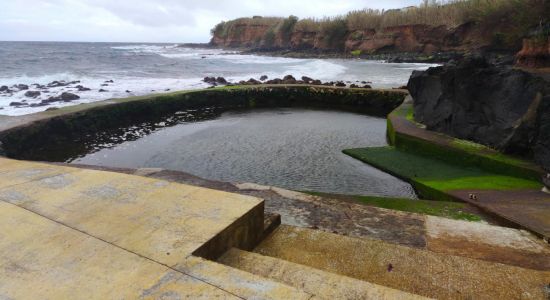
[208,79]
[263,77]
[82,88]
[307,79]
[21,87]
[498,106]
[18,103]
[69,96]
[32,94]
[253,81]
[289,79]
[57,83]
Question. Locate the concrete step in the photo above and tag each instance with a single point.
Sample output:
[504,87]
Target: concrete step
[320,283]
[416,271]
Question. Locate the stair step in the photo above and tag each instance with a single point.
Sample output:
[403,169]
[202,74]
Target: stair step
[408,269]
[323,284]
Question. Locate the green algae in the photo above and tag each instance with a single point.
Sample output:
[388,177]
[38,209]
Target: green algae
[445,209]
[457,151]
[434,178]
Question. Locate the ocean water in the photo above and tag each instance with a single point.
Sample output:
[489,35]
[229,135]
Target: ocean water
[139,69]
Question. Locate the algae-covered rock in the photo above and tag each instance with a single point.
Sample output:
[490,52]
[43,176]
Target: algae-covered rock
[498,106]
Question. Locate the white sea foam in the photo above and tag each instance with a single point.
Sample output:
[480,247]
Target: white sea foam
[136,86]
[145,48]
[318,69]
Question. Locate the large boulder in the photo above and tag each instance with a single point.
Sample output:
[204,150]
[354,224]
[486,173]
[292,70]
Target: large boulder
[498,106]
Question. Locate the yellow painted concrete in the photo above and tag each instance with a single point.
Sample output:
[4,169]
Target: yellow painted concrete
[161,220]
[413,270]
[244,284]
[323,284]
[14,172]
[81,234]
[41,259]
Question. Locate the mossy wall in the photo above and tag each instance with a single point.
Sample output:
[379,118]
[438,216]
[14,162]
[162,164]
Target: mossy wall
[459,152]
[69,125]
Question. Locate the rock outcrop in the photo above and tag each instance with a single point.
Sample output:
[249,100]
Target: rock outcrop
[535,53]
[501,107]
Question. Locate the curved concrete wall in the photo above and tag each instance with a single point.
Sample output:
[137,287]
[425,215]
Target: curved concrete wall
[27,137]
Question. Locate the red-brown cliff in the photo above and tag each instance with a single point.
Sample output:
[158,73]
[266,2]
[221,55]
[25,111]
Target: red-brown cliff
[535,53]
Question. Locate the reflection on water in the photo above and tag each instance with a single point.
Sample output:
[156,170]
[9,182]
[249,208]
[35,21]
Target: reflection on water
[292,148]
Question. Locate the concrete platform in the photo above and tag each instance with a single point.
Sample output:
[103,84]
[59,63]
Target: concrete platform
[82,234]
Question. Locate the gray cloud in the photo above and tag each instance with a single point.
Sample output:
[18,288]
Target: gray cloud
[152,21]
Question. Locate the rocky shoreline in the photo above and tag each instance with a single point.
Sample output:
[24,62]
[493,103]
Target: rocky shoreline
[394,57]
[288,79]
[58,91]
[403,57]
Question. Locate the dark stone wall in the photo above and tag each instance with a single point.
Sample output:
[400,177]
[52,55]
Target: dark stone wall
[505,108]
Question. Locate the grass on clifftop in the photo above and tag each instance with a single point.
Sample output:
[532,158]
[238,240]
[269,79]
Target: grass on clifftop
[446,209]
[433,177]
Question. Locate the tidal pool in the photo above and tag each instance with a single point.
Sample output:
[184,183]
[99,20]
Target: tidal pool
[294,148]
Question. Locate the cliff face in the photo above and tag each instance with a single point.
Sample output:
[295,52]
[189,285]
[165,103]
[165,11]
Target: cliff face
[408,38]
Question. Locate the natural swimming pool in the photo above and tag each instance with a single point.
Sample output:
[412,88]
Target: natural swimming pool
[294,148]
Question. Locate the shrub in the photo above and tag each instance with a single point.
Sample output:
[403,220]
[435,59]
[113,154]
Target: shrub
[287,27]
[307,25]
[334,31]
[269,38]
[219,30]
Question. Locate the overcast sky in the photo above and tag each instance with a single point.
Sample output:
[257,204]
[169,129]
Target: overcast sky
[152,20]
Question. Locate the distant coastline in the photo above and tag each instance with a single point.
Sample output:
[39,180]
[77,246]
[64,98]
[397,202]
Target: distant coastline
[511,31]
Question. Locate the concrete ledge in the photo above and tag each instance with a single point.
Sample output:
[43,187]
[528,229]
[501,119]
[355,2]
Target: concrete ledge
[245,233]
[28,137]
